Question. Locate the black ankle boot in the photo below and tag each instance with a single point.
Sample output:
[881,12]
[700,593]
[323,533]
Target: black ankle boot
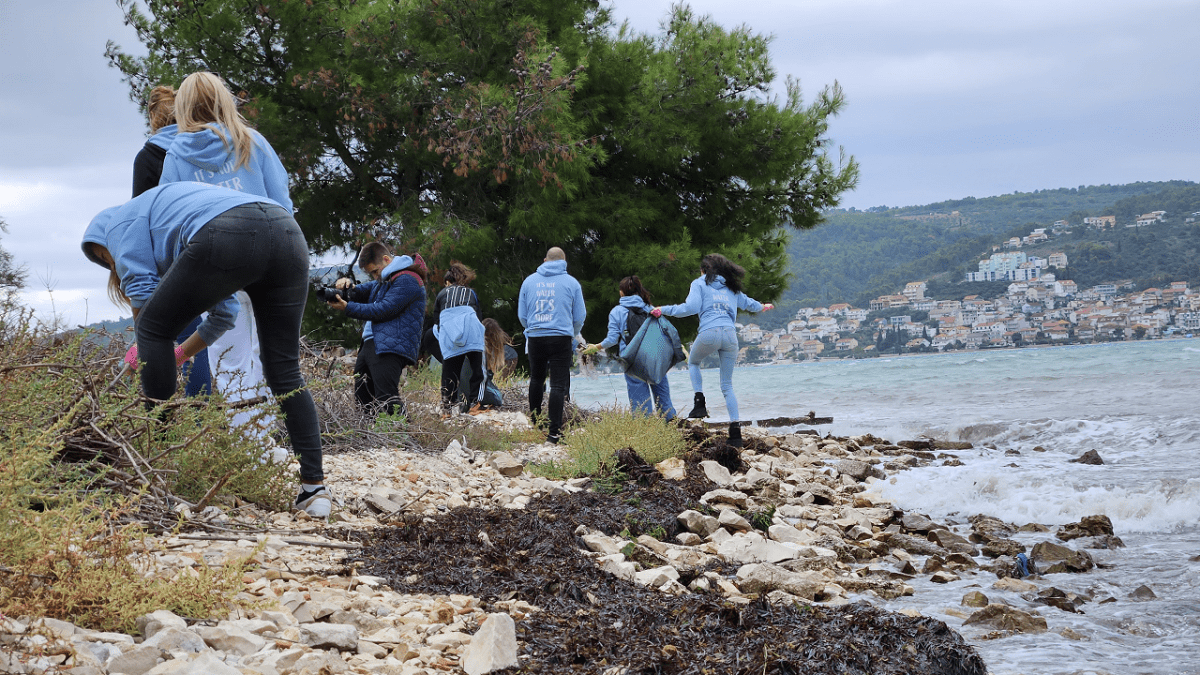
[735,435]
[698,409]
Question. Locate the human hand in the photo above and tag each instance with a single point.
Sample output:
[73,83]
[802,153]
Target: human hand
[656,312]
[768,307]
[338,303]
[343,282]
[131,359]
[180,357]
[588,350]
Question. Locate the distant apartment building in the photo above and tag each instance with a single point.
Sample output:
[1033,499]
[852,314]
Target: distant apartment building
[1150,218]
[1105,290]
[914,290]
[1009,266]
[1057,260]
[751,333]
[1100,222]
[888,302]
[812,348]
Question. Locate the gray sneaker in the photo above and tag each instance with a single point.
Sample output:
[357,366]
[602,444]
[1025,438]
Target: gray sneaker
[315,503]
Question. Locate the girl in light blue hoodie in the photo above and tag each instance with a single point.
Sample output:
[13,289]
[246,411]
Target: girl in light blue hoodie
[716,296]
[635,299]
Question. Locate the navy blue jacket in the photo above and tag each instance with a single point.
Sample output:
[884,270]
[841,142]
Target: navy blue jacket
[396,309]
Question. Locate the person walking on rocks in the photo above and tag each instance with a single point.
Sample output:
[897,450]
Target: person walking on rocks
[460,334]
[623,322]
[551,309]
[182,249]
[716,296]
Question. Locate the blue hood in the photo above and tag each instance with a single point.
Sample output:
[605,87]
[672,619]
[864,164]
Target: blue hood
[634,301]
[718,281]
[552,268]
[206,149]
[97,233]
[165,136]
[398,263]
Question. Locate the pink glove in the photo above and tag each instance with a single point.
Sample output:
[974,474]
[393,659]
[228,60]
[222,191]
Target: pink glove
[131,357]
[180,358]
[768,307]
[656,312]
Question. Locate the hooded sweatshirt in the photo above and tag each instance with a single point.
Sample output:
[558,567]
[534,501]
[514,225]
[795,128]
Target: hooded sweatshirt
[618,318]
[715,303]
[205,157]
[551,302]
[398,263]
[147,166]
[147,233]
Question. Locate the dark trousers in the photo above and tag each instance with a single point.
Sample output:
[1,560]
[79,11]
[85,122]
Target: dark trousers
[258,248]
[452,369]
[550,355]
[377,379]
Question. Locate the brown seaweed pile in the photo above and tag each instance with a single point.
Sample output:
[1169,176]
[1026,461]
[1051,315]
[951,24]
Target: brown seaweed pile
[593,622]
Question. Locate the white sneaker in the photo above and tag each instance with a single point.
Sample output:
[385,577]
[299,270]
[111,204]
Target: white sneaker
[315,503]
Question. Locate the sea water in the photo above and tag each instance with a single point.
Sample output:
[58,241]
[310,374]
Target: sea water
[1136,403]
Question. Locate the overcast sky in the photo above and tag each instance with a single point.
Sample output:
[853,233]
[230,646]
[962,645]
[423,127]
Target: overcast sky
[945,99]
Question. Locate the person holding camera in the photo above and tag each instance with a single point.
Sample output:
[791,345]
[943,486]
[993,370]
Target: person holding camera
[182,249]
[393,305]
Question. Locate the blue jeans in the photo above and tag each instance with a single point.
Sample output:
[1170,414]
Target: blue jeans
[639,396]
[258,248]
[724,342]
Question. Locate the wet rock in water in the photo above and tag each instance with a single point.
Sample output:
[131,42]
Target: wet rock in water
[914,545]
[1058,598]
[952,445]
[1142,593]
[1017,585]
[1007,618]
[1107,541]
[1002,547]
[952,542]
[975,599]
[1089,526]
[1012,453]
[1089,457]
[985,528]
[1038,448]
[919,444]
[1053,558]
[943,577]
[1033,527]
[916,522]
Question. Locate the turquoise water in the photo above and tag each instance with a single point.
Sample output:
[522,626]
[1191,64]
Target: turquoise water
[1136,403]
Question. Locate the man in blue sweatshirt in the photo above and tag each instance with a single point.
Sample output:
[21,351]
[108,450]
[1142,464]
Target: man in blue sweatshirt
[552,311]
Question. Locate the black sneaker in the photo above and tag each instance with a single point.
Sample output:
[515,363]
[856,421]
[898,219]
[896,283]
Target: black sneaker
[552,439]
[698,409]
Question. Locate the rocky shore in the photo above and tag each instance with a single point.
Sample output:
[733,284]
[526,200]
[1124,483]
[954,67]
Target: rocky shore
[765,559]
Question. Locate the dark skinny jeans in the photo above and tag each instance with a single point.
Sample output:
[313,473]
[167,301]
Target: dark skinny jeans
[551,354]
[258,248]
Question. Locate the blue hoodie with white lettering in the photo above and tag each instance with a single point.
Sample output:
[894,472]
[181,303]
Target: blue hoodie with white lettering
[714,302]
[551,302]
[205,157]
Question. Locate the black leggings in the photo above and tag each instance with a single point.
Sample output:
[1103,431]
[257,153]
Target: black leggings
[550,356]
[260,249]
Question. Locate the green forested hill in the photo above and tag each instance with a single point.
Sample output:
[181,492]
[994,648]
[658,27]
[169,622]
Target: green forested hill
[855,256]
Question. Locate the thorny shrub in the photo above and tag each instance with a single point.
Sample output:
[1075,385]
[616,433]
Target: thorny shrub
[591,447]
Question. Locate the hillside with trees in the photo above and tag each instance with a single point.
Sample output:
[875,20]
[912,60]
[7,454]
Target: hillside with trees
[855,255]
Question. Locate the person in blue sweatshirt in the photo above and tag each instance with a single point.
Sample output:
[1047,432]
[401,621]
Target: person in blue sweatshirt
[214,144]
[716,296]
[551,309]
[147,169]
[393,305]
[635,301]
[182,249]
[460,334]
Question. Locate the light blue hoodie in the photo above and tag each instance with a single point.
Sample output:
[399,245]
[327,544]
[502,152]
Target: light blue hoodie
[147,233]
[551,302]
[715,303]
[204,156]
[165,136]
[618,318]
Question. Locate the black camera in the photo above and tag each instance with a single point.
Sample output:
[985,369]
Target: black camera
[329,293]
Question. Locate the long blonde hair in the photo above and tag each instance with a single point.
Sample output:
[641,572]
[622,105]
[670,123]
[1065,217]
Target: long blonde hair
[160,107]
[202,101]
[494,340]
[115,292]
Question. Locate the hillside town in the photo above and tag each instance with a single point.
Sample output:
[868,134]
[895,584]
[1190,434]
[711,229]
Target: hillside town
[1037,308]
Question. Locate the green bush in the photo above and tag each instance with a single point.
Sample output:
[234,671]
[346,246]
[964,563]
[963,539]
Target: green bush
[591,446]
